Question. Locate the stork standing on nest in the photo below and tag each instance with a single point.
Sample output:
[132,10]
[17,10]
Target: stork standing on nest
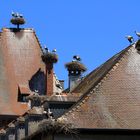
[54,50]
[130,39]
[77,58]
[17,19]
[46,49]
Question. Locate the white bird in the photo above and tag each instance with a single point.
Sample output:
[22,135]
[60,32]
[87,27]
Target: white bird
[54,50]
[17,14]
[137,33]
[14,14]
[46,50]
[73,60]
[76,57]
[130,38]
[20,15]
[36,91]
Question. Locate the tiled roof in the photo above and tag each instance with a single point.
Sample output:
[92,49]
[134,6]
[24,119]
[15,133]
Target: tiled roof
[112,95]
[92,78]
[20,59]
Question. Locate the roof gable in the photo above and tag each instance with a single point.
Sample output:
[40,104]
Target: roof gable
[114,102]
[19,60]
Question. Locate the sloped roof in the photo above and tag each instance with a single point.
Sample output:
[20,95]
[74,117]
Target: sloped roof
[112,95]
[94,77]
[20,59]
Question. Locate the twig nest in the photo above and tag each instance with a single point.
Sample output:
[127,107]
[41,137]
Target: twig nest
[75,66]
[17,21]
[37,99]
[50,57]
[54,126]
[11,125]
[33,98]
[137,46]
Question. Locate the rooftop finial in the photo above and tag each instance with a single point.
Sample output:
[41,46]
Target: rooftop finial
[17,19]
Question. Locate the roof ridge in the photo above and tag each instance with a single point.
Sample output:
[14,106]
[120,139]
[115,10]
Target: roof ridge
[99,81]
[38,42]
[98,68]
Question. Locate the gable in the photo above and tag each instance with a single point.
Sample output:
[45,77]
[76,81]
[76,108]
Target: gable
[115,101]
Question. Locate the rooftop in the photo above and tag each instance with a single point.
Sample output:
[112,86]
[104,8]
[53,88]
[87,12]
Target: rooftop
[20,59]
[111,96]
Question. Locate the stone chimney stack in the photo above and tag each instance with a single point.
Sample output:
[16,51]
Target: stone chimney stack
[75,70]
[49,58]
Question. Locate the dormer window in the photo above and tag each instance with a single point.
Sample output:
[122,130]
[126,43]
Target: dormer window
[23,92]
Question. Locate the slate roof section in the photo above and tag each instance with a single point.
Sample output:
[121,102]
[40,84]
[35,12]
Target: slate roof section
[114,101]
[20,59]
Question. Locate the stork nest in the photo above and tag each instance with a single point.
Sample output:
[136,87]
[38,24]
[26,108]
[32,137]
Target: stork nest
[137,46]
[75,66]
[36,97]
[50,58]
[17,21]
[56,126]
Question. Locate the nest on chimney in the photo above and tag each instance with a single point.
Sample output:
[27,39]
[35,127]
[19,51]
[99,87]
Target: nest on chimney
[17,21]
[36,97]
[75,66]
[50,57]
[52,126]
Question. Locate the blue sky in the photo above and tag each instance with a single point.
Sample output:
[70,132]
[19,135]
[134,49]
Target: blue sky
[93,29]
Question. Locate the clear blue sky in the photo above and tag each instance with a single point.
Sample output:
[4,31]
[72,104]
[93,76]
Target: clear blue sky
[94,29]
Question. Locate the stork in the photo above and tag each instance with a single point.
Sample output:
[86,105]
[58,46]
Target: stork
[54,50]
[20,15]
[77,58]
[17,15]
[130,38]
[13,14]
[46,50]
[36,91]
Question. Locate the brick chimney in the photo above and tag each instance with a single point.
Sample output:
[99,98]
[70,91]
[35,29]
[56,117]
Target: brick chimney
[75,70]
[49,58]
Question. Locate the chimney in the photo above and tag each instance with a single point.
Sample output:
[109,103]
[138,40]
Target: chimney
[75,70]
[49,58]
